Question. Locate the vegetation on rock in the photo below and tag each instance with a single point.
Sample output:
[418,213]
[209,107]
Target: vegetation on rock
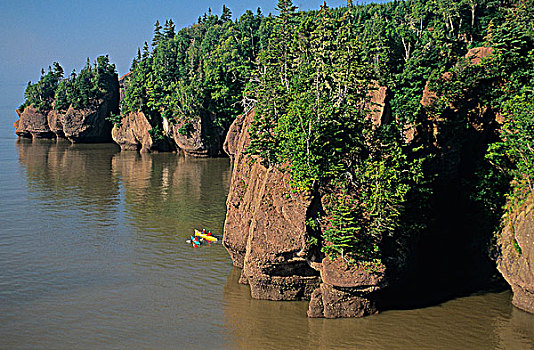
[312,87]
[197,72]
[310,76]
[79,91]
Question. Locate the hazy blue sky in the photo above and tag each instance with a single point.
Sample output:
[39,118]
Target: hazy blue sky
[36,33]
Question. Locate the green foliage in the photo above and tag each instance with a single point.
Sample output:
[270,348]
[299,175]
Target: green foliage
[79,91]
[41,94]
[115,119]
[513,67]
[517,247]
[504,82]
[186,129]
[198,72]
[156,133]
[313,96]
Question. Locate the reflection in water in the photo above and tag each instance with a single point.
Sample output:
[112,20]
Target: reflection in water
[93,249]
[168,196]
[71,175]
[516,331]
[92,256]
[476,322]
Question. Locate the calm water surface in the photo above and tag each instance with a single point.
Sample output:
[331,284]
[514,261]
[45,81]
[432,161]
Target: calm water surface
[93,256]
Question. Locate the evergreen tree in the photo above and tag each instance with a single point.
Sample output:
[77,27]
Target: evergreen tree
[158,36]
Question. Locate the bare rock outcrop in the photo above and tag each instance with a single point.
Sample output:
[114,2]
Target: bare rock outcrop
[231,142]
[379,108]
[33,123]
[265,227]
[345,290]
[133,135]
[90,124]
[331,302]
[197,138]
[55,122]
[516,258]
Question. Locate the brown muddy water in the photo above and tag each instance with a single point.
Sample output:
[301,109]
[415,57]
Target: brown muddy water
[93,256]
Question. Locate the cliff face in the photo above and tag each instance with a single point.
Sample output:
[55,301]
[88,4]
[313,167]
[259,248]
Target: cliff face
[266,235]
[265,231]
[133,135]
[265,226]
[77,125]
[516,258]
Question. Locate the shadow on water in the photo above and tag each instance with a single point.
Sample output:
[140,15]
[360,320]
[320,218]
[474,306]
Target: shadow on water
[485,321]
[102,263]
[451,257]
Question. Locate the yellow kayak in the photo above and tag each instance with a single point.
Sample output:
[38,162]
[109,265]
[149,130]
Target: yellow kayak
[205,236]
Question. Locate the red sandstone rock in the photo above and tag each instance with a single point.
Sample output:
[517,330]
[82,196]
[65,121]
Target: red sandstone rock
[33,123]
[379,109]
[240,197]
[78,125]
[265,227]
[55,122]
[477,54]
[516,259]
[89,124]
[330,302]
[133,133]
[338,273]
[232,137]
[193,143]
[265,234]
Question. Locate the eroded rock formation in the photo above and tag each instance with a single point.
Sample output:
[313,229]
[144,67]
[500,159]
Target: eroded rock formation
[265,230]
[89,124]
[200,138]
[516,258]
[133,135]
[265,233]
[32,123]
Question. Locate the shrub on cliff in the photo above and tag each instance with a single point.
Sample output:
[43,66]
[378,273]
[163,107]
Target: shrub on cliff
[199,71]
[514,98]
[79,91]
[41,94]
[312,121]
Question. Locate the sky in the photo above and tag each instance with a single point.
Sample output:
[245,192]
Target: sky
[36,33]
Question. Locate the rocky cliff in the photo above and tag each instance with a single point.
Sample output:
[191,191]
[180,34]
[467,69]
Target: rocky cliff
[87,124]
[265,226]
[266,235]
[133,135]
[516,254]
